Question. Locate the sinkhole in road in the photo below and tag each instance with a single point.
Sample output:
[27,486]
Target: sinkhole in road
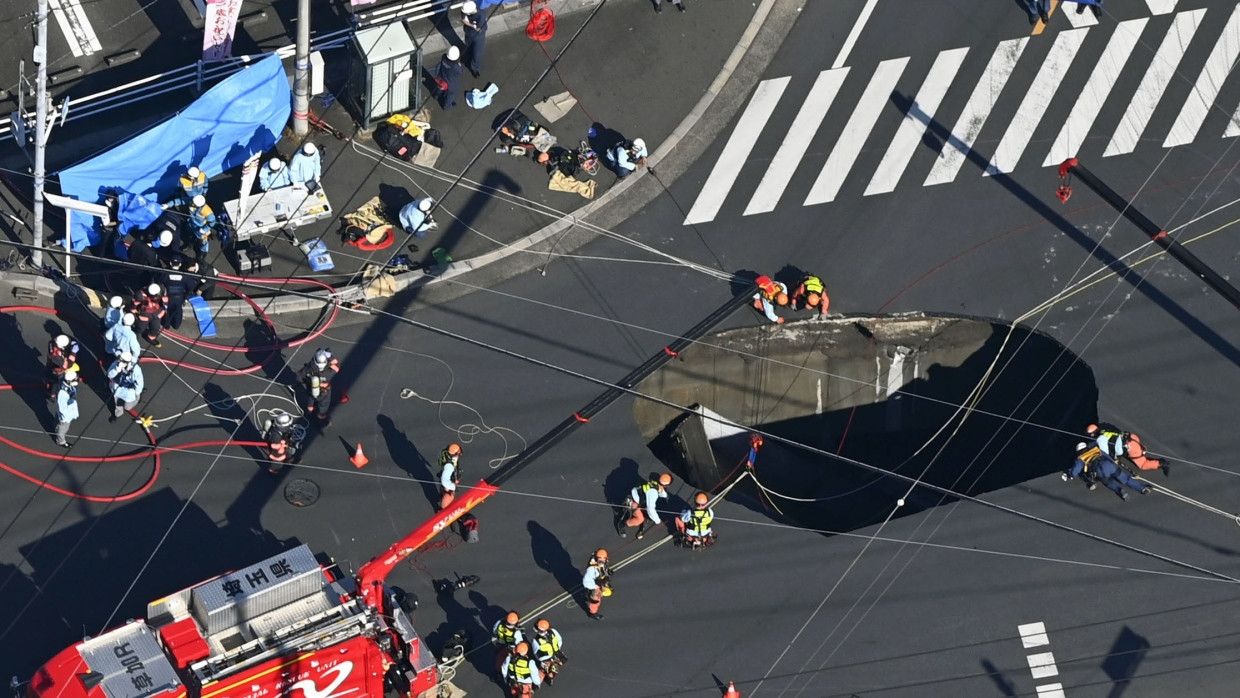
[967,404]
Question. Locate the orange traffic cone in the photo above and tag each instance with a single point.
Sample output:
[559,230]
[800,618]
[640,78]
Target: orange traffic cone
[359,459]
[731,692]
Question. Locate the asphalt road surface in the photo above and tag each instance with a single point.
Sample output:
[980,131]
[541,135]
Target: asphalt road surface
[1134,598]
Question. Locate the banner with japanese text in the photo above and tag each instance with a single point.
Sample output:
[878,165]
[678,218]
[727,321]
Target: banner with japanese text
[221,25]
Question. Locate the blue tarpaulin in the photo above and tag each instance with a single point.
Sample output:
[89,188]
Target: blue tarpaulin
[234,120]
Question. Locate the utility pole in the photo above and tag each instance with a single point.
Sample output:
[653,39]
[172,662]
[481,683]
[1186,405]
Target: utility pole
[301,71]
[40,133]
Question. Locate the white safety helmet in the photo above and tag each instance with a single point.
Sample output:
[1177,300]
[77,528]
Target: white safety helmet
[128,320]
[469,7]
[165,238]
[321,357]
[115,302]
[62,341]
[284,419]
[126,357]
[275,164]
[193,172]
[153,290]
[1081,446]
[70,377]
[199,201]
[639,144]
[454,53]
[425,205]
[309,148]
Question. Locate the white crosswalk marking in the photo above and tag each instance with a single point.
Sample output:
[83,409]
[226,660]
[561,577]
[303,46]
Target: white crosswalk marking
[1161,7]
[1078,20]
[1097,88]
[916,121]
[737,150]
[1149,93]
[1036,100]
[804,127]
[877,95]
[1209,82]
[73,22]
[973,118]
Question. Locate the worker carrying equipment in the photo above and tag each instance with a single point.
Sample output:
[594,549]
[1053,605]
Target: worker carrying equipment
[62,354]
[521,672]
[548,647]
[282,443]
[506,635]
[449,474]
[693,525]
[597,583]
[1125,447]
[149,308]
[640,509]
[1094,466]
[126,382]
[811,293]
[770,294]
[317,376]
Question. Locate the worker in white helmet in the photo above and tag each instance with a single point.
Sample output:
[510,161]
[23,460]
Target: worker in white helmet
[274,175]
[126,383]
[66,407]
[306,167]
[194,183]
[201,222]
[121,337]
[447,77]
[62,353]
[475,25]
[627,156]
[317,377]
[415,217]
[114,312]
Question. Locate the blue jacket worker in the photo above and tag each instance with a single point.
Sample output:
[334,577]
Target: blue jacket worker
[66,407]
[307,166]
[475,26]
[202,222]
[448,77]
[274,175]
[114,313]
[627,157]
[415,217]
[126,383]
[1091,462]
[121,338]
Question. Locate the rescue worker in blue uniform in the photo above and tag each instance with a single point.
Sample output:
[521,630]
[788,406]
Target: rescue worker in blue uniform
[126,382]
[475,26]
[193,183]
[1095,466]
[415,217]
[62,353]
[121,338]
[201,223]
[447,75]
[176,287]
[66,407]
[274,175]
[306,167]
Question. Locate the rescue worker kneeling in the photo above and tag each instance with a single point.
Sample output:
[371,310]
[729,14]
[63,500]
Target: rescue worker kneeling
[1094,466]
[770,294]
[1125,447]
[521,672]
[278,433]
[693,525]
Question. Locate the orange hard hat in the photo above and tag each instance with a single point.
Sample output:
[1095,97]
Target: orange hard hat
[701,499]
[600,555]
[1091,429]
[543,625]
[812,300]
[782,299]
[454,449]
[512,618]
[523,648]
[665,479]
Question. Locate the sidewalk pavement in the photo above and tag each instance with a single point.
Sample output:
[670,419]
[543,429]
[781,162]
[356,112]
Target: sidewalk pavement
[670,78]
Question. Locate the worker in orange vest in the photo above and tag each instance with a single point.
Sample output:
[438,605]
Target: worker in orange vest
[149,308]
[770,294]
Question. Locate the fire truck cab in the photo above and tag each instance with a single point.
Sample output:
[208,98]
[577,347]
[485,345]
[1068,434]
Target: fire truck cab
[286,626]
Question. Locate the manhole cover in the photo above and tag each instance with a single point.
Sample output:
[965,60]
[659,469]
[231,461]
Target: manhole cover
[301,492]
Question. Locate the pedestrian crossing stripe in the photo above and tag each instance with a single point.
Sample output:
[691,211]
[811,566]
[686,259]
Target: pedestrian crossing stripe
[922,110]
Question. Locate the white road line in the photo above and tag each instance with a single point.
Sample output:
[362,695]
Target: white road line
[1051,690]
[1033,635]
[1150,91]
[1101,80]
[973,118]
[737,150]
[1042,665]
[1209,82]
[876,97]
[1037,99]
[1161,7]
[73,22]
[804,127]
[854,33]
[1078,20]
[916,121]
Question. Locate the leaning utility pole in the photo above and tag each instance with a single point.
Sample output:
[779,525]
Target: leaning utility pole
[301,71]
[40,133]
